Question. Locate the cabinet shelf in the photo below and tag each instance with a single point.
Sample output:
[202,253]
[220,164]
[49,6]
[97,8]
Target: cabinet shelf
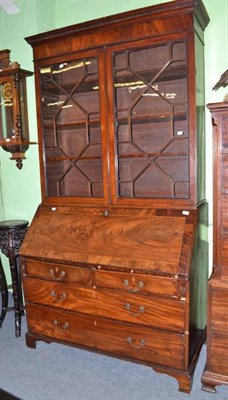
[144,119]
[151,155]
[71,125]
[137,119]
[132,155]
[124,78]
[65,158]
[169,74]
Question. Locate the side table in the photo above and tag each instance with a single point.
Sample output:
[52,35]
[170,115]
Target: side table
[12,233]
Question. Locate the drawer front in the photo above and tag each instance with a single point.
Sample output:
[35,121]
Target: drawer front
[218,354]
[57,272]
[146,310]
[138,343]
[138,283]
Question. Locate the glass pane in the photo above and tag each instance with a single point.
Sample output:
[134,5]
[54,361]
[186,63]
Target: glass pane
[71,127]
[6,111]
[151,113]
[23,109]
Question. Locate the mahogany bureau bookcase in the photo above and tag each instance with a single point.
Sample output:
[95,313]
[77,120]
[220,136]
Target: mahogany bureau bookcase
[112,260]
[216,370]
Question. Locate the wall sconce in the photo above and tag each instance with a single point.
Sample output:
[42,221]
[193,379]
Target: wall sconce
[14,132]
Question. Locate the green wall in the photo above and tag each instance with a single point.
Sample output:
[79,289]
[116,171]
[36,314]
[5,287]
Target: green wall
[20,189]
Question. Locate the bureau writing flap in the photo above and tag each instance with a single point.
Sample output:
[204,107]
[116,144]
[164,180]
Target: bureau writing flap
[144,242]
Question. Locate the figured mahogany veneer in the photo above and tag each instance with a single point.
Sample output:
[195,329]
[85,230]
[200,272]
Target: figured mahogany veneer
[118,339]
[168,314]
[216,369]
[140,296]
[113,260]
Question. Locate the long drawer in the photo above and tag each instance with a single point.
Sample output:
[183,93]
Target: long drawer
[166,286]
[134,342]
[147,310]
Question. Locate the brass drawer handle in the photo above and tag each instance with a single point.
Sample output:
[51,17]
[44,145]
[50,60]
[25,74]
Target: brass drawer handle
[131,341]
[61,325]
[140,284]
[105,213]
[57,276]
[135,288]
[58,296]
[128,307]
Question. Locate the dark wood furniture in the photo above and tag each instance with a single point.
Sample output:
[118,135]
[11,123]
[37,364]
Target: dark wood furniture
[14,132]
[112,260]
[3,293]
[12,233]
[7,396]
[216,370]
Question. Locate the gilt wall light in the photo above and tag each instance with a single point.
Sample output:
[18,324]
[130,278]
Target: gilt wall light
[14,132]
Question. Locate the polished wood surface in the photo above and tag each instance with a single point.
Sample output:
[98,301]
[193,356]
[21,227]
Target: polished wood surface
[144,295]
[129,241]
[158,173]
[113,260]
[154,346]
[58,273]
[216,369]
[168,314]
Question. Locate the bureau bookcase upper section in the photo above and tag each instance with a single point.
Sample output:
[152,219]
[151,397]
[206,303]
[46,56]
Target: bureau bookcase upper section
[120,104]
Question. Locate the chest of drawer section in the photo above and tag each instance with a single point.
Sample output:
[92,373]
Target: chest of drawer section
[148,300]
[128,340]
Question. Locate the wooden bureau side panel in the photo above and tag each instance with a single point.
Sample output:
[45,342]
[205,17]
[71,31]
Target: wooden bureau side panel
[224,206]
[224,172]
[218,308]
[218,350]
[224,130]
[224,245]
[146,310]
[143,344]
[222,234]
[138,283]
[57,272]
[216,369]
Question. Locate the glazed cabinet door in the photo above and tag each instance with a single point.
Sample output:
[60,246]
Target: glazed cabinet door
[149,109]
[71,92]
[118,125]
